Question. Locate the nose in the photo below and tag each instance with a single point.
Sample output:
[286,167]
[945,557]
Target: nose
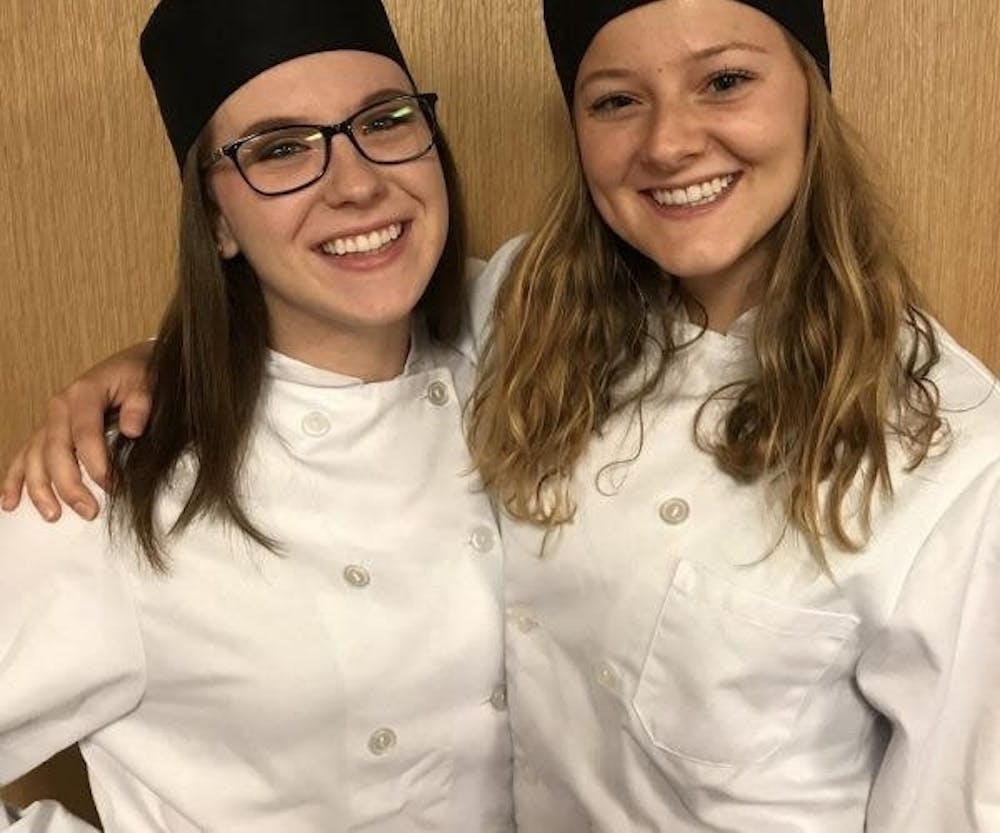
[675,135]
[350,178]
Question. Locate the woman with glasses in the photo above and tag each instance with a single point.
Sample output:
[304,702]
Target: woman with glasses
[751,491]
[291,619]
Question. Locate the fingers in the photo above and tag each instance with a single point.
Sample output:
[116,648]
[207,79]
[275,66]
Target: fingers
[134,413]
[74,434]
[36,479]
[48,467]
[75,429]
[13,481]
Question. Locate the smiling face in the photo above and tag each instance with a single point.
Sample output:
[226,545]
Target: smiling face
[343,262]
[691,119]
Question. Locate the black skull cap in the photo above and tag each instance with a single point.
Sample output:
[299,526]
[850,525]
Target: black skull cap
[198,52]
[571,25]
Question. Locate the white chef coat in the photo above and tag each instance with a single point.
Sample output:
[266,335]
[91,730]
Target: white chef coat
[353,684]
[43,817]
[666,674]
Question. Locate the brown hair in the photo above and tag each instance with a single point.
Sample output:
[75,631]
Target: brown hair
[844,350]
[207,369]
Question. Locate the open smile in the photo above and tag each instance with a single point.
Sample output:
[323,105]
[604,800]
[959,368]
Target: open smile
[368,244]
[696,195]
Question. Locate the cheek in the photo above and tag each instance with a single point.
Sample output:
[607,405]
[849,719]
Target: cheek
[605,174]
[601,156]
[426,185]
[257,222]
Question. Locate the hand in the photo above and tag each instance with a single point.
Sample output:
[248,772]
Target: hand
[73,434]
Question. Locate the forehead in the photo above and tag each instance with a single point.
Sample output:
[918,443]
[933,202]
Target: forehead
[322,87]
[668,31]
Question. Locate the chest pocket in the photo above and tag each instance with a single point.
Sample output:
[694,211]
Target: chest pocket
[728,671]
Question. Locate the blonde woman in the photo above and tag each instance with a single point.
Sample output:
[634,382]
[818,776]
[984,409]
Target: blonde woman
[750,491]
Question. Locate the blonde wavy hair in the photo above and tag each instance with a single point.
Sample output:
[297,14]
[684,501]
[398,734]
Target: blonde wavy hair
[844,352]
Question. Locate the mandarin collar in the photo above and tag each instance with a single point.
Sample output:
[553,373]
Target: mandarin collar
[284,368]
[737,337]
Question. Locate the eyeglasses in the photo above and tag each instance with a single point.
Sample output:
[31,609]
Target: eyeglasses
[285,159]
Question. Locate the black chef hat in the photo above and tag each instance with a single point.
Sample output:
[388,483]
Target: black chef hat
[573,24]
[198,52]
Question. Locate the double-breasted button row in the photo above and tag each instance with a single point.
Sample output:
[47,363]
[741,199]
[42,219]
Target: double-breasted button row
[318,424]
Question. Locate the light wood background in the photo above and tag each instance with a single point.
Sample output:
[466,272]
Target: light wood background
[88,186]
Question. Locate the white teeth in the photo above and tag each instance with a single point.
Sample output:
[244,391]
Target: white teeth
[695,195]
[373,241]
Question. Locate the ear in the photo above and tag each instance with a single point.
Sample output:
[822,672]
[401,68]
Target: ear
[225,242]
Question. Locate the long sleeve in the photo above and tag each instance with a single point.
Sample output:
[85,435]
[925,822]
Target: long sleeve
[934,672]
[71,658]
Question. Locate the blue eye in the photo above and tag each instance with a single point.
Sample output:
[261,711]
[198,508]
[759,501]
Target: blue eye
[728,80]
[610,104]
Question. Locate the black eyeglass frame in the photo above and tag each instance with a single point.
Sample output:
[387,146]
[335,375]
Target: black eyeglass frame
[426,102]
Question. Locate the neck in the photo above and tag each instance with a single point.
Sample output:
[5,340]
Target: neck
[374,354]
[723,297]
[718,309]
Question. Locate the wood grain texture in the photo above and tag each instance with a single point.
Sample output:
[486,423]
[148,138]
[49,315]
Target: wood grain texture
[88,187]
[87,197]
[920,80]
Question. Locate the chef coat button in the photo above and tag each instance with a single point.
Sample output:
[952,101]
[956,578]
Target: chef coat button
[483,539]
[607,676]
[528,774]
[499,699]
[674,511]
[525,623]
[315,424]
[381,741]
[437,393]
[521,620]
[357,576]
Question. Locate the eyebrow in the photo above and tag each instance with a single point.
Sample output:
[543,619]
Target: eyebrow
[281,121]
[616,74]
[731,46]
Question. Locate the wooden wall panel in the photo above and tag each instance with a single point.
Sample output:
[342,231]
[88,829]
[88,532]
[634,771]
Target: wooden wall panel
[86,196]
[88,186]
[921,80]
